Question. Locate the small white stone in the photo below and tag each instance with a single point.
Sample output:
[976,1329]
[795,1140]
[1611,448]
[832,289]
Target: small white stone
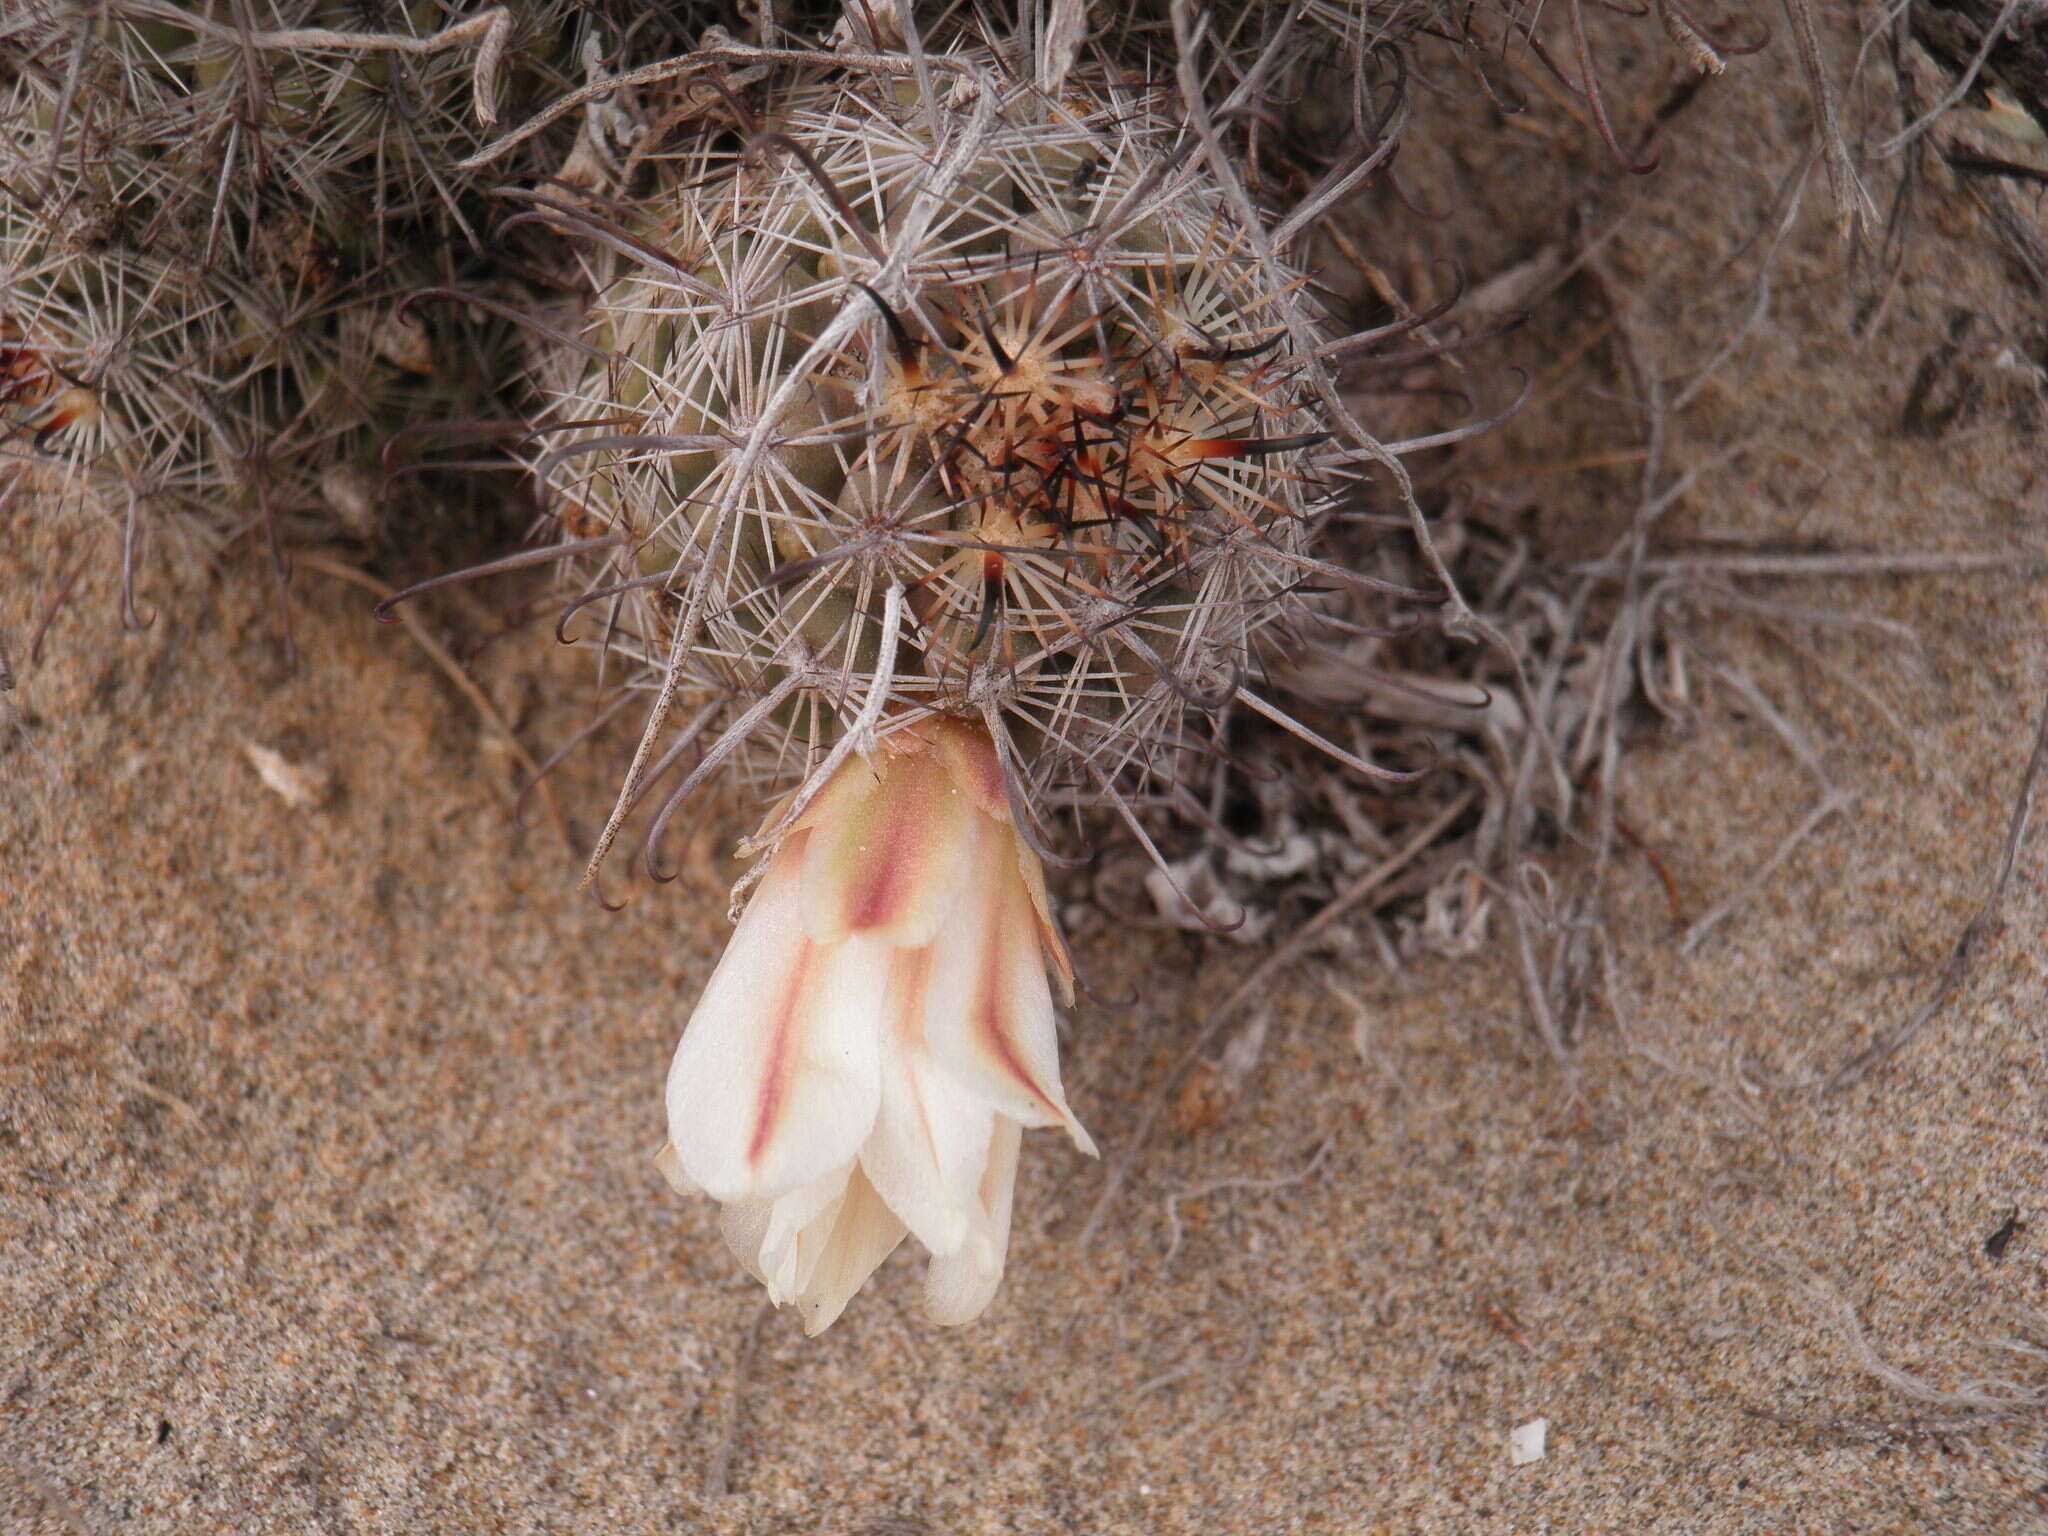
[1525,1441]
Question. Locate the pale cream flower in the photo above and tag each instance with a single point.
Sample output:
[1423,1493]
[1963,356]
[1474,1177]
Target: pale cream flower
[877,1035]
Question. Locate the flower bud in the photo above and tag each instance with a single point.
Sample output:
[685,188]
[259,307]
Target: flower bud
[878,1033]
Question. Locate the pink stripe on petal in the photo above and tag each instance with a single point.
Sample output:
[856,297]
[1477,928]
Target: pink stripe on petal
[887,867]
[971,759]
[989,1015]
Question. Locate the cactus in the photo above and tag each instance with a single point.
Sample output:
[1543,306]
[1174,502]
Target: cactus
[211,222]
[919,389]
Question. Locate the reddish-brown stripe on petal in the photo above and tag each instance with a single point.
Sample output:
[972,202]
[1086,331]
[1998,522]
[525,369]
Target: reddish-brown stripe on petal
[775,1081]
[989,1017]
[886,866]
[885,882]
[972,762]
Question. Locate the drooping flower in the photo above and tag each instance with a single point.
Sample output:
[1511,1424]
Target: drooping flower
[878,1034]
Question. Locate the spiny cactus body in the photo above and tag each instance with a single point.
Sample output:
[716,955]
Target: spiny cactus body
[937,393]
[212,219]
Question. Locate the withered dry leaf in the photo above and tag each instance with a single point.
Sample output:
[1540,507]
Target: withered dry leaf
[304,786]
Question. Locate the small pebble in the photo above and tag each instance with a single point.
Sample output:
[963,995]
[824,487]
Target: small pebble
[1525,1441]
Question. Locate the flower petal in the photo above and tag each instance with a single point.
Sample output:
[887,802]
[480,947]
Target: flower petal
[768,1236]
[864,1232]
[1048,931]
[959,1287]
[988,1013]
[931,1135]
[777,1079]
[886,865]
[971,762]
[744,1226]
[800,1231]
[670,1164]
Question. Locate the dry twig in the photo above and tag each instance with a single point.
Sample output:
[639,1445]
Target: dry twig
[718,1466]
[1221,1186]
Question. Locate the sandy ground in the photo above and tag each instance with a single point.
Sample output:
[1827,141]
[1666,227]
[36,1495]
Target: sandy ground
[325,1194]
